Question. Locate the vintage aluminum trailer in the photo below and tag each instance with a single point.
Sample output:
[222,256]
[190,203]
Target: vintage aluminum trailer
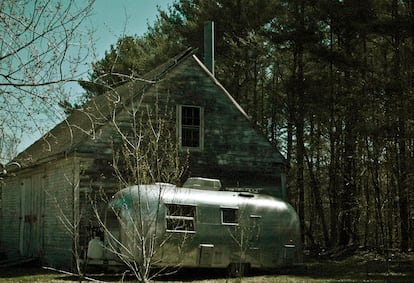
[200,228]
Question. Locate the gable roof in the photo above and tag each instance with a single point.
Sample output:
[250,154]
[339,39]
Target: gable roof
[85,122]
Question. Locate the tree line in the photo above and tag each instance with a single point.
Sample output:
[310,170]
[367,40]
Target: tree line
[329,82]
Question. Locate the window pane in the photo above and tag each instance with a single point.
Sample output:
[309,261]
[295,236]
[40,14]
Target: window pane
[180,210]
[180,217]
[229,215]
[190,126]
[190,137]
[190,116]
[176,224]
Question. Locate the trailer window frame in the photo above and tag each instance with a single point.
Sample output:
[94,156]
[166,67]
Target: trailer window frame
[180,218]
[229,216]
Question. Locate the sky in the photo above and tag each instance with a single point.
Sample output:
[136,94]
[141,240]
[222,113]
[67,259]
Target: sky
[110,19]
[113,18]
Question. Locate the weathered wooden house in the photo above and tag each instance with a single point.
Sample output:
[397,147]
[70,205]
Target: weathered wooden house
[42,200]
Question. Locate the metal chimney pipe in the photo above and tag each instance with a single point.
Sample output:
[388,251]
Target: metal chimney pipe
[209,46]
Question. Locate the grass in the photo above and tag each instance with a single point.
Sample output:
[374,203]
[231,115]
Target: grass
[362,267]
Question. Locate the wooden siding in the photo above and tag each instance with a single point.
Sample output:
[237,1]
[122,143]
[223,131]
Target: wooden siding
[10,217]
[233,150]
[36,202]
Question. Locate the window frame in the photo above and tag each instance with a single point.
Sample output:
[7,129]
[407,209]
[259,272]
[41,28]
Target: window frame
[172,217]
[200,128]
[224,221]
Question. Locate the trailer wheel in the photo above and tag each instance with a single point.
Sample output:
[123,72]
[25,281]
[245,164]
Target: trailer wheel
[237,270]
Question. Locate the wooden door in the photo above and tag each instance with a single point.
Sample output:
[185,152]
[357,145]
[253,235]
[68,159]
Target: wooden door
[31,212]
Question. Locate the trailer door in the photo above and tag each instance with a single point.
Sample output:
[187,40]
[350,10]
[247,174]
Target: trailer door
[254,240]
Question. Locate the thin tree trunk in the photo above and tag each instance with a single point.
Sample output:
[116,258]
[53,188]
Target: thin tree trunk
[374,173]
[401,136]
[298,78]
[317,198]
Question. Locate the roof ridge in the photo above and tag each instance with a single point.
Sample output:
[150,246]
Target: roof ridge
[158,72]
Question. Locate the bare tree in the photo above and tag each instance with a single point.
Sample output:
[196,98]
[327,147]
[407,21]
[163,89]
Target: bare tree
[135,232]
[8,144]
[69,214]
[245,236]
[145,153]
[42,44]
[71,223]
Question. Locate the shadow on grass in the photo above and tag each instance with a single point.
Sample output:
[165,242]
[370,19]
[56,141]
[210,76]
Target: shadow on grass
[357,268]
[24,269]
[181,275]
[352,269]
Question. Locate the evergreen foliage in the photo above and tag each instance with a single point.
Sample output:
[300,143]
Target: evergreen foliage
[328,82]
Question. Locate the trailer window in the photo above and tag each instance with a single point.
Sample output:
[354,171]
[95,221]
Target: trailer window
[229,216]
[180,218]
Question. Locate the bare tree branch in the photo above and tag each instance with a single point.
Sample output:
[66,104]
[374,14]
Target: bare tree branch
[42,45]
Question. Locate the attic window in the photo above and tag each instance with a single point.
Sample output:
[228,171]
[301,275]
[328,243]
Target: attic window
[191,127]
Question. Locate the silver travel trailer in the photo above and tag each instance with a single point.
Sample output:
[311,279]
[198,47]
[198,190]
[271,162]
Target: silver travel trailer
[190,227]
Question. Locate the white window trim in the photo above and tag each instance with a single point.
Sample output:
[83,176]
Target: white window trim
[236,209]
